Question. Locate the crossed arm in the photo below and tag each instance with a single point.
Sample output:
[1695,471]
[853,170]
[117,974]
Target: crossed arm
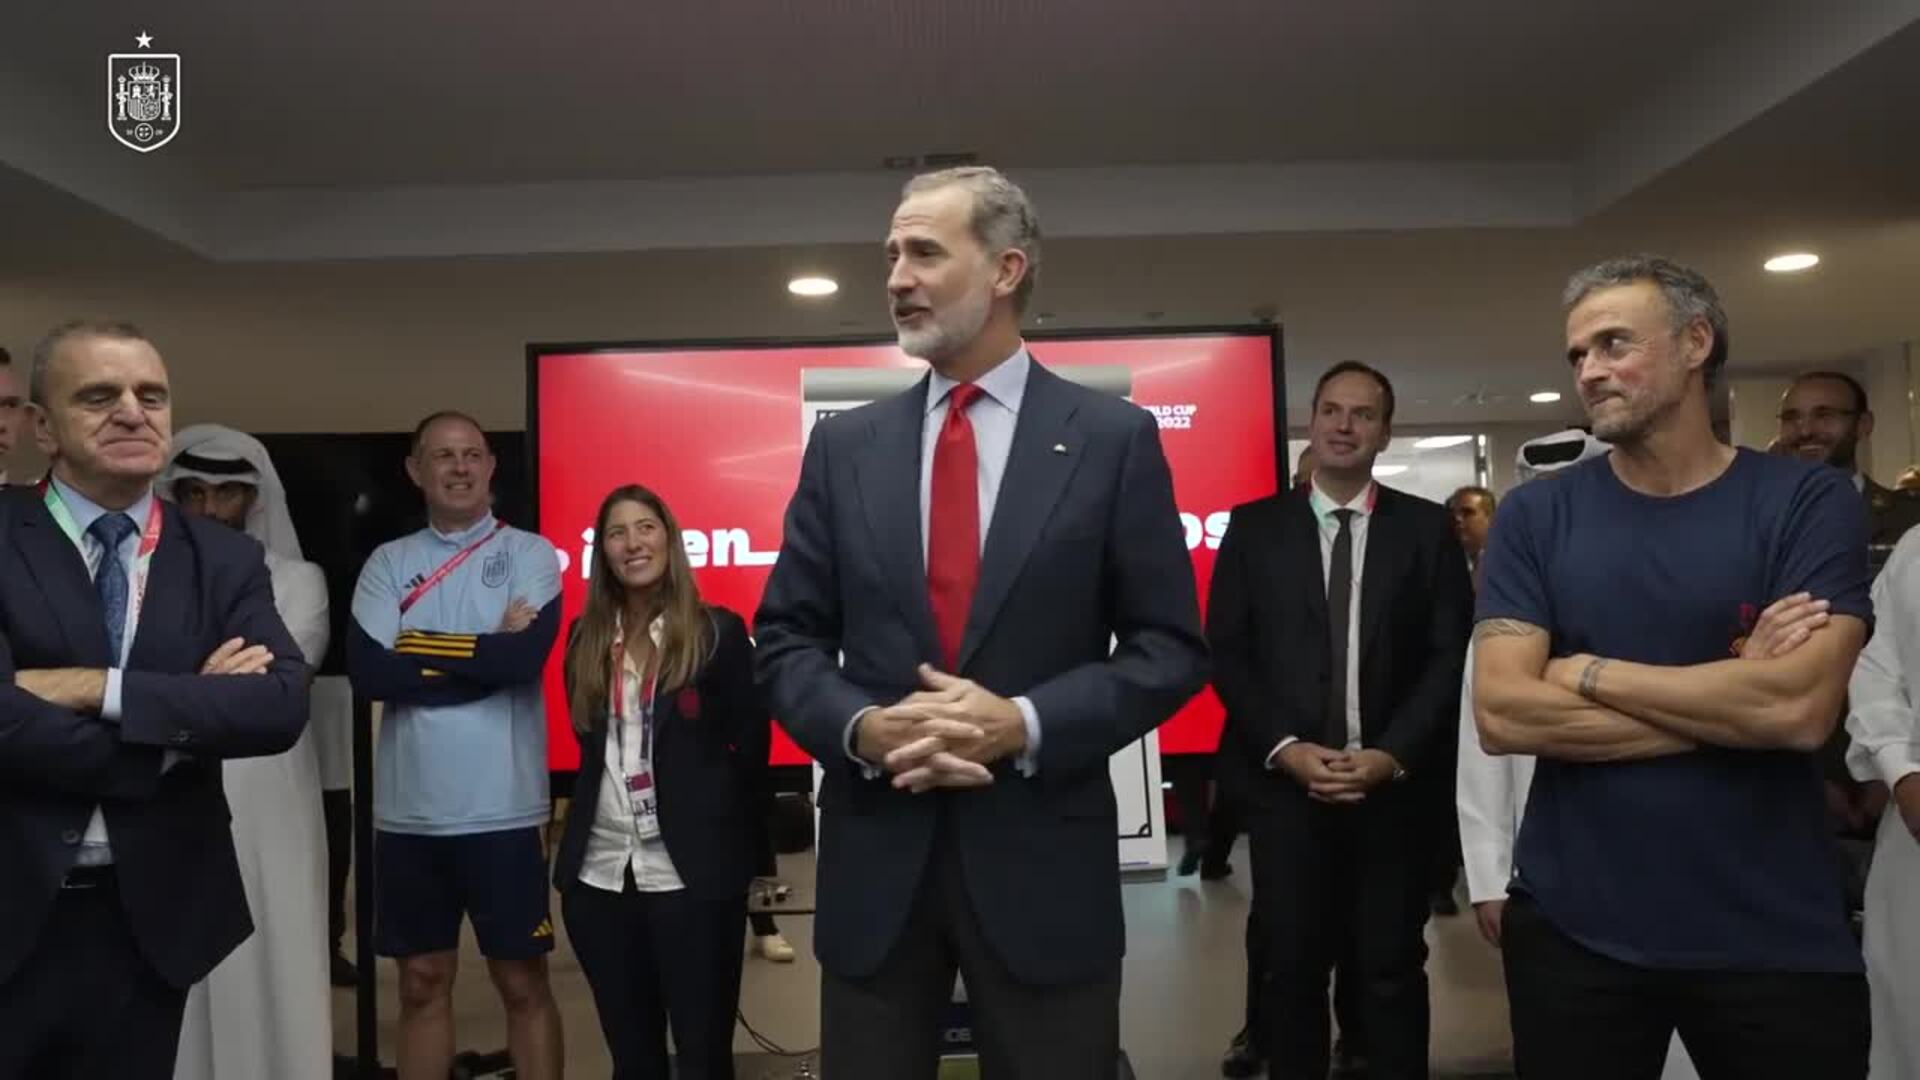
[1588,708]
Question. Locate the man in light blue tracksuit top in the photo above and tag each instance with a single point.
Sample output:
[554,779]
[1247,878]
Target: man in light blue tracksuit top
[451,630]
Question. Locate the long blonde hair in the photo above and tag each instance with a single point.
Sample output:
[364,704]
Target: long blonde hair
[687,633]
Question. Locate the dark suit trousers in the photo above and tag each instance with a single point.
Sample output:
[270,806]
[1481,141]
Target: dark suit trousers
[888,1026]
[660,960]
[1343,886]
[337,809]
[86,1005]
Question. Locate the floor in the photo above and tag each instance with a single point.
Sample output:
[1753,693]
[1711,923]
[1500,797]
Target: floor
[1181,1003]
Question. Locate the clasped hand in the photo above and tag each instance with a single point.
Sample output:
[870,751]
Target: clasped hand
[1338,777]
[943,735]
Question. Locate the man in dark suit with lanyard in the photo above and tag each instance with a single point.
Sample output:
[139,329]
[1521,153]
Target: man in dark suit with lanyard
[138,647]
[983,594]
[1339,618]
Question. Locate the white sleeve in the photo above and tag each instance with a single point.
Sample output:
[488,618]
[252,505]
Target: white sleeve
[301,592]
[1484,793]
[1881,720]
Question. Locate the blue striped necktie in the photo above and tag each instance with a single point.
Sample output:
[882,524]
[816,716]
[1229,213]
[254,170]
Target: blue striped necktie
[110,531]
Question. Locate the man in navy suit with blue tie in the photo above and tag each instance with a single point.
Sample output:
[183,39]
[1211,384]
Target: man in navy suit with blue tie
[982,594]
[138,647]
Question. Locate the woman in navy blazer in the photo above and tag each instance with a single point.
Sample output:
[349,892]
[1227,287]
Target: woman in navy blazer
[658,852]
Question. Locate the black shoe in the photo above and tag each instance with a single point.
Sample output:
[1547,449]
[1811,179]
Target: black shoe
[344,973]
[1214,871]
[1242,1059]
[1190,861]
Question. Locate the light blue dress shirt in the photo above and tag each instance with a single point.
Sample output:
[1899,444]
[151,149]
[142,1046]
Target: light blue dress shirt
[95,850]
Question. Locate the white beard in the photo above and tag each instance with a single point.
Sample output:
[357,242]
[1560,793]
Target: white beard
[940,335]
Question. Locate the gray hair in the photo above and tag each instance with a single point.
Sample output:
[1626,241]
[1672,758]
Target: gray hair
[1688,293]
[1003,217]
[44,352]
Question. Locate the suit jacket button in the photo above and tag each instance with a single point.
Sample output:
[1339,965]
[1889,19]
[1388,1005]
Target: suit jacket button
[70,837]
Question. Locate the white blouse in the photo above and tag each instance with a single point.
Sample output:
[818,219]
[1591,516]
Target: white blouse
[614,843]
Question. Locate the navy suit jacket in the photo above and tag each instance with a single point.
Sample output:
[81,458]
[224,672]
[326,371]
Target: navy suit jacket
[171,834]
[1085,546]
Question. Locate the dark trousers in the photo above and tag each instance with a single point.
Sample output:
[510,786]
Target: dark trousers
[655,960]
[337,808]
[888,1026]
[1579,1015]
[1206,828]
[86,1005]
[1343,886]
[765,865]
[1347,1013]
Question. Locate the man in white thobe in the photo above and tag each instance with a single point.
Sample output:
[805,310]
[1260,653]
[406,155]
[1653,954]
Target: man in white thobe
[1885,727]
[266,1010]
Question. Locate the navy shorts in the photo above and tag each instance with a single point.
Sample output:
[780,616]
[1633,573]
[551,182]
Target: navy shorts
[424,885]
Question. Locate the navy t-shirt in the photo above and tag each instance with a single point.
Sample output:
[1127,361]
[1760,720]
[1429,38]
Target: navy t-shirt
[1717,859]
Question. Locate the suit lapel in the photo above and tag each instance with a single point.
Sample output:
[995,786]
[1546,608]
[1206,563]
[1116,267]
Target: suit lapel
[1046,450]
[61,573]
[169,591]
[889,479]
[1382,563]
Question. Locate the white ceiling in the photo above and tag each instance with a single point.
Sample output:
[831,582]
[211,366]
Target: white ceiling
[1399,181]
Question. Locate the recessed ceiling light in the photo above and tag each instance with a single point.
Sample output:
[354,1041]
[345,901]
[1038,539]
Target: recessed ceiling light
[1544,397]
[1389,470]
[1793,262]
[813,286]
[1441,442]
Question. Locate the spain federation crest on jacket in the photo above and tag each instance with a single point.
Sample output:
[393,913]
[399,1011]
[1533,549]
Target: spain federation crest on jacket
[143,97]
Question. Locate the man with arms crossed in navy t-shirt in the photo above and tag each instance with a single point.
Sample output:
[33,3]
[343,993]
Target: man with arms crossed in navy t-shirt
[1672,870]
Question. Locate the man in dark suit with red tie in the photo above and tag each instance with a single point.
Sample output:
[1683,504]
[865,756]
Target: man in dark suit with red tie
[983,593]
[138,647]
[1338,617]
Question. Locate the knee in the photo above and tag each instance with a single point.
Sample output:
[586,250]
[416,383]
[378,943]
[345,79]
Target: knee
[522,984]
[426,982]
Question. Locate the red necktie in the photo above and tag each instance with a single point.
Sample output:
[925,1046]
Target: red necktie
[953,523]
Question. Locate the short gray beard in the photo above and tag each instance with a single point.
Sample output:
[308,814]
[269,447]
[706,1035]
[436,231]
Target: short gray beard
[950,333]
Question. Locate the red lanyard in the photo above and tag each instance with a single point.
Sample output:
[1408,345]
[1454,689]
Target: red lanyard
[448,567]
[647,688]
[142,560]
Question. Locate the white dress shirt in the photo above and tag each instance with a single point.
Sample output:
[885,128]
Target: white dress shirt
[1883,721]
[614,843]
[993,416]
[1323,506]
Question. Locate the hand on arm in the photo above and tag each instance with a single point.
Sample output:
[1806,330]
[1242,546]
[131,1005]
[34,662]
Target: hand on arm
[1788,699]
[83,690]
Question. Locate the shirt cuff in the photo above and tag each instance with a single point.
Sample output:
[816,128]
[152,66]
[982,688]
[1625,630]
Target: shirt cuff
[846,741]
[1028,762]
[110,700]
[1895,763]
[1489,870]
[1273,756]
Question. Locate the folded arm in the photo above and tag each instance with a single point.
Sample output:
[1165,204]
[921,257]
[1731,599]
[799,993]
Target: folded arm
[502,659]
[228,716]
[380,674]
[1518,711]
[1782,702]
[1091,711]
[51,748]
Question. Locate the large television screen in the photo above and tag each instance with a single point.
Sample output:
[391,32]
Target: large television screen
[717,430]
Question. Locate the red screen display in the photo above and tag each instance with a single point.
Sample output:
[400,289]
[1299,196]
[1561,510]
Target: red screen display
[718,433]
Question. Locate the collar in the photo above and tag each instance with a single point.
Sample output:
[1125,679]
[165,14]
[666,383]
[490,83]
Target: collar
[467,535]
[655,629]
[1323,505]
[1006,383]
[85,511]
